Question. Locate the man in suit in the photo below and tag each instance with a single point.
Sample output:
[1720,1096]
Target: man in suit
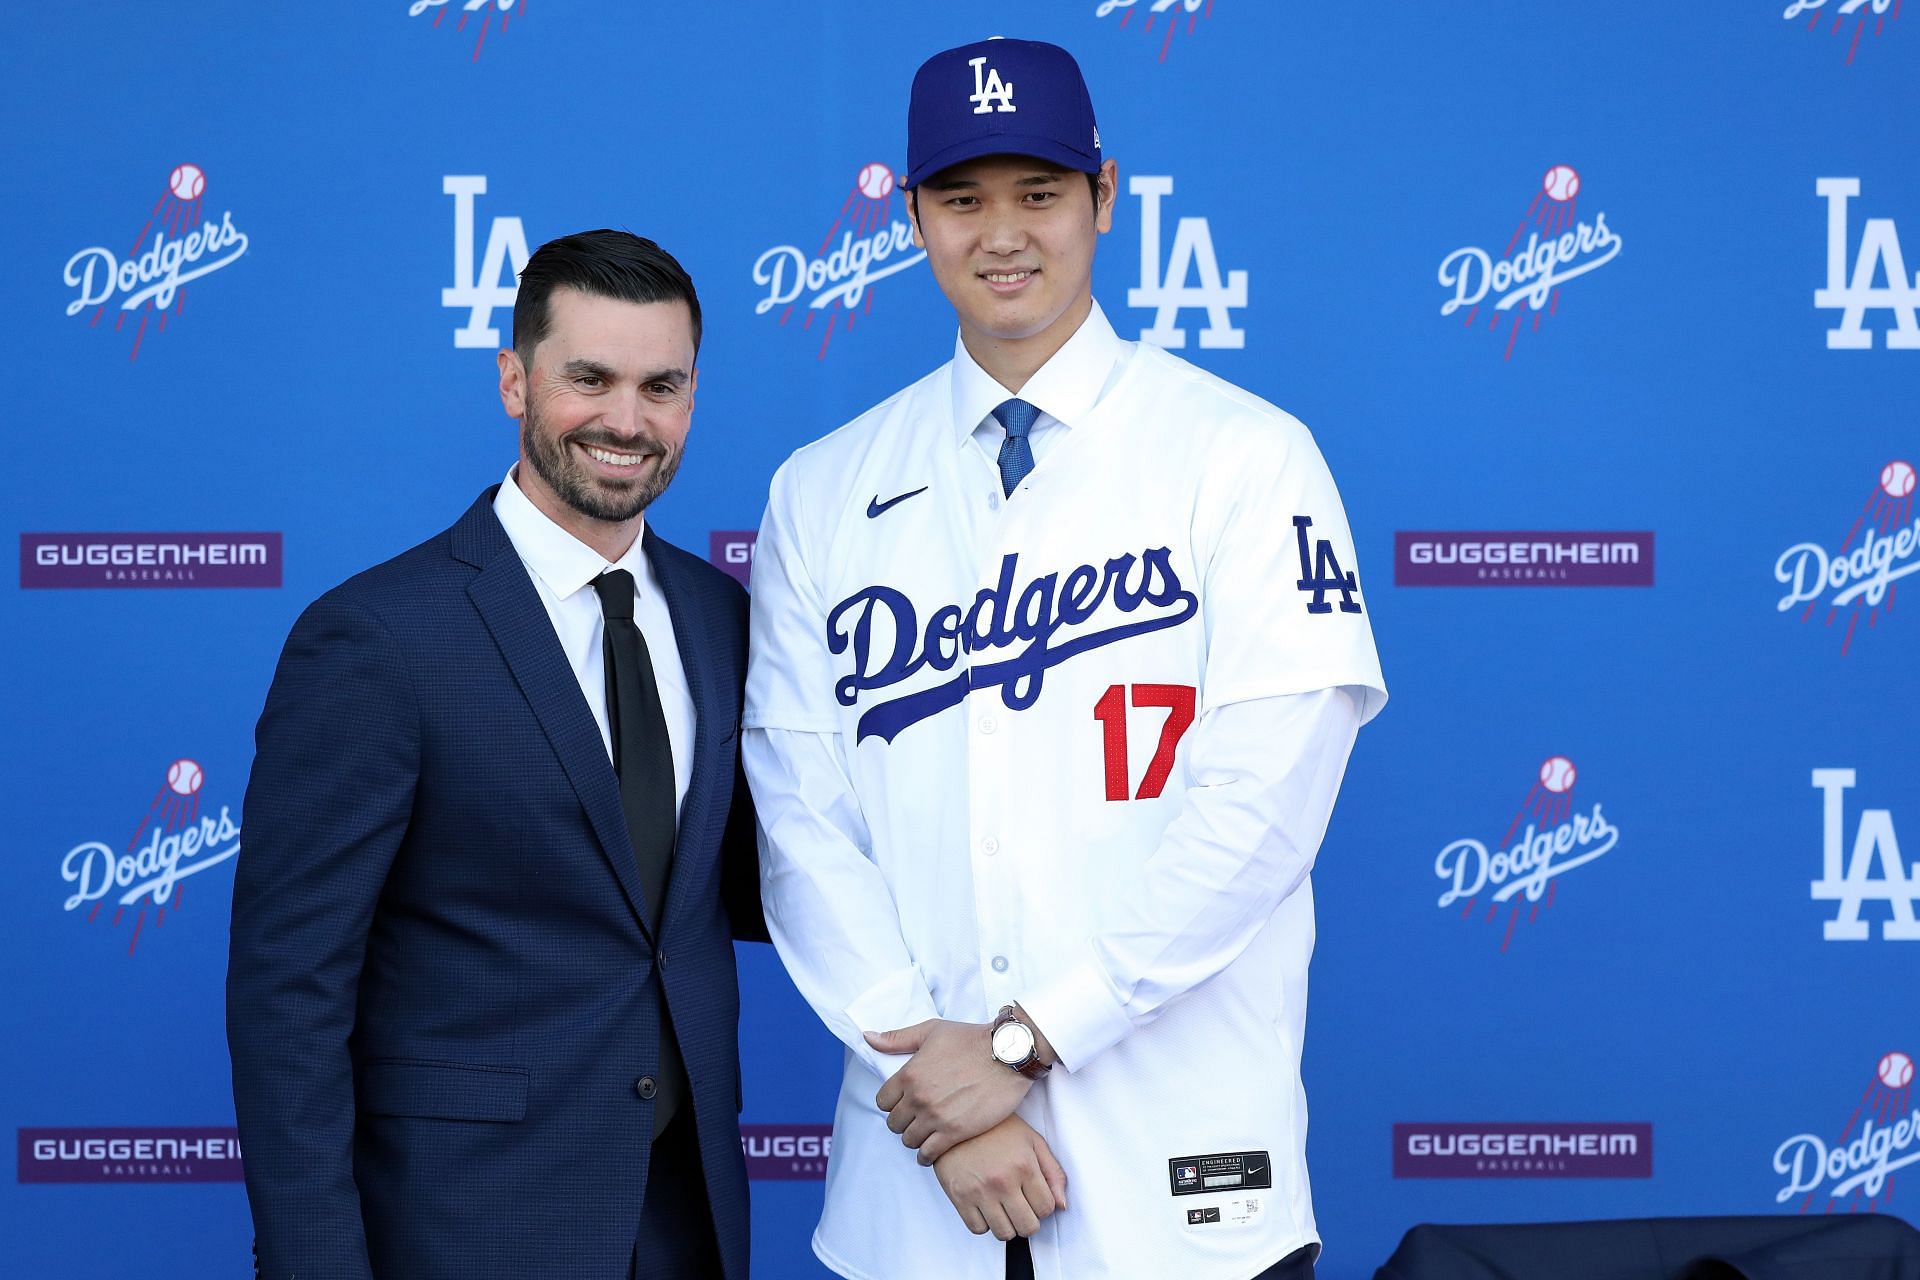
[482,1003]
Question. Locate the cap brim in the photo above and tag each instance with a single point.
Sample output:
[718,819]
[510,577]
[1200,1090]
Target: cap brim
[1002,144]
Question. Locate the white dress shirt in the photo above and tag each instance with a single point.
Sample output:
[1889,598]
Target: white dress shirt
[956,824]
[563,569]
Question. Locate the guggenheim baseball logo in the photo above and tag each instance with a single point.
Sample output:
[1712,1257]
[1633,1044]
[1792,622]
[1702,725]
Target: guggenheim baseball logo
[731,552]
[1551,246]
[1853,297]
[150,560]
[786,1152]
[178,243]
[868,240]
[1855,1173]
[172,841]
[1433,558]
[1861,573]
[1547,838]
[1508,1149]
[130,1155]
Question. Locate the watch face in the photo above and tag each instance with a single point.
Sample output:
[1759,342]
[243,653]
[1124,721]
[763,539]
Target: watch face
[1012,1043]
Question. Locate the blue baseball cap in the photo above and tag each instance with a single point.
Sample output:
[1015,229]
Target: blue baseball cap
[1000,97]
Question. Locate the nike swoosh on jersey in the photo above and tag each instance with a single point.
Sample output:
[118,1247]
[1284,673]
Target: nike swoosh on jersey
[877,508]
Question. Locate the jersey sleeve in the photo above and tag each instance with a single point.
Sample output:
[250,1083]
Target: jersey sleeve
[1284,607]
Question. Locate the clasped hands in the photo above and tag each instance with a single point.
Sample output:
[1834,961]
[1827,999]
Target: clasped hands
[954,1104]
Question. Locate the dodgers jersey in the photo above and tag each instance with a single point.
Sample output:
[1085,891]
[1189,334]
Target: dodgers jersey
[1073,747]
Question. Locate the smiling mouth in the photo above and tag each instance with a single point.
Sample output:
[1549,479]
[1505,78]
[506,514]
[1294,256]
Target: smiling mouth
[613,457]
[1007,277]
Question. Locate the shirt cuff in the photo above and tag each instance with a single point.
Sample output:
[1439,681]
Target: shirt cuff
[898,1000]
[1079,1014]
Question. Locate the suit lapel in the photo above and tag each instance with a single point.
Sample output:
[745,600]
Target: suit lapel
[689,631]
[505,597]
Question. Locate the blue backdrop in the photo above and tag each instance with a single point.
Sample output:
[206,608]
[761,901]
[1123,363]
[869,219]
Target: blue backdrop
[1563,291]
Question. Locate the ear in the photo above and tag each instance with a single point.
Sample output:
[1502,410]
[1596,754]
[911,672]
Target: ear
[913,218]
[693,385]
[1109,192]
[513,383]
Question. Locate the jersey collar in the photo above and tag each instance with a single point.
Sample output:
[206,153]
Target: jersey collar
[1065,388]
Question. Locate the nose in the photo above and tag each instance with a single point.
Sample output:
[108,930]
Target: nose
[622,412]
[1003,232]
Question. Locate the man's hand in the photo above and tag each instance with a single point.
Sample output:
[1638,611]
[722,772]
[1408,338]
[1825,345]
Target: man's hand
[1004,1181]
[951,1091]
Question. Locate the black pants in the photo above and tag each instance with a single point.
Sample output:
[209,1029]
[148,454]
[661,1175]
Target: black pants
[1297,1265]
[676,1223]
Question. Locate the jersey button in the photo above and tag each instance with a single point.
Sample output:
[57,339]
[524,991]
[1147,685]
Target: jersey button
[646,1088]
[990,846]
[999,964]
[988,724]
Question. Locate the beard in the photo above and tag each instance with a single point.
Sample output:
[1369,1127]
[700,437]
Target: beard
[592,495]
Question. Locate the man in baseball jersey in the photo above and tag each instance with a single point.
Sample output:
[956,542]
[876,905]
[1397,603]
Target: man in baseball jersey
[1057,659]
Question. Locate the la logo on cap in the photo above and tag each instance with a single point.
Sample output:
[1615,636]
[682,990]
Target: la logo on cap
[989,88]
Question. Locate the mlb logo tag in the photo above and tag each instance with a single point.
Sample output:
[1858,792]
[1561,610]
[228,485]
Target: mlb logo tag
[990,92]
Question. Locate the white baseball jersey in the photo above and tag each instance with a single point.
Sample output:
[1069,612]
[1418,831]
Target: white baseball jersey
[1075,748]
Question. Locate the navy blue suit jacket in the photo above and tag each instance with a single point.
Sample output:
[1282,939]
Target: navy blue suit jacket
[441,996]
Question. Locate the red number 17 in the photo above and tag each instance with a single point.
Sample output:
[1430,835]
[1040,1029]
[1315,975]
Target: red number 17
[1111,712]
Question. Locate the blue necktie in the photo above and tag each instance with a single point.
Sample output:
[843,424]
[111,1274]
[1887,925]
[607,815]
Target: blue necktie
[1016,455]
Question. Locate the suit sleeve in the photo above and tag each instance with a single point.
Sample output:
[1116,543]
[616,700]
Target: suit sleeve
[336,764]
[828,906]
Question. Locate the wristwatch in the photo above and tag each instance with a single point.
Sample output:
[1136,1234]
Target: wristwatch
[1014,1046]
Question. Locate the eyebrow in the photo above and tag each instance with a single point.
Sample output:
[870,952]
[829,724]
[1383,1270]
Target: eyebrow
[958,184]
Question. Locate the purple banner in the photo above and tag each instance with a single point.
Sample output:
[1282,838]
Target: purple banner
[1522,558]
[1516,1149]
[150,560]
[130,1155]
[732,551]
[786,1152]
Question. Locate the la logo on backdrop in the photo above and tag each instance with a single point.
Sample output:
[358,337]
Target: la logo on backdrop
[1194,11]
[1850,879]
[1881,12]
[1525,279]
[868,240]
[480,288]
[1854,297]
[1882,1135]
[486,10]
[172,840]
[1547,838]
[1862,573]
[179,242]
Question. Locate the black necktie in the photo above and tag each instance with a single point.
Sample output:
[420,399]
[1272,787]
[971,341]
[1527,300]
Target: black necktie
[643,759]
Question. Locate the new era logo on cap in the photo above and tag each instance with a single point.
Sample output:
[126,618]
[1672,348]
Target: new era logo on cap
[964,106]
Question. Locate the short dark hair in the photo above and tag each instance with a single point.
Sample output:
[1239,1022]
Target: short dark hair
[606,264]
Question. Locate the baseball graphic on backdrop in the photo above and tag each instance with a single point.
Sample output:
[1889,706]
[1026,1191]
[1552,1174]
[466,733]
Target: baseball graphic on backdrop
[187,181]
[1896,478]
[1561,182]
[1557,774]
[1896,1071]
[876,181]
[185,777]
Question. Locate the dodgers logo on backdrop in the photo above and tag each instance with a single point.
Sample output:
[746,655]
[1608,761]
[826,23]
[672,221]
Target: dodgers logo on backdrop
[1525,873]
[865,243]
[1037,623]
[496,281]
[1880,11]
[1194,11]
[1853,297]
[485,10]
[1861,573]
[178,243]
[172,841]
[1881,1136]
[1174,289]
[1525,278]
[1873,872]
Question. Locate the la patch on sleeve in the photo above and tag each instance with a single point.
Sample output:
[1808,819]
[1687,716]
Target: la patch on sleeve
[1320,572]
